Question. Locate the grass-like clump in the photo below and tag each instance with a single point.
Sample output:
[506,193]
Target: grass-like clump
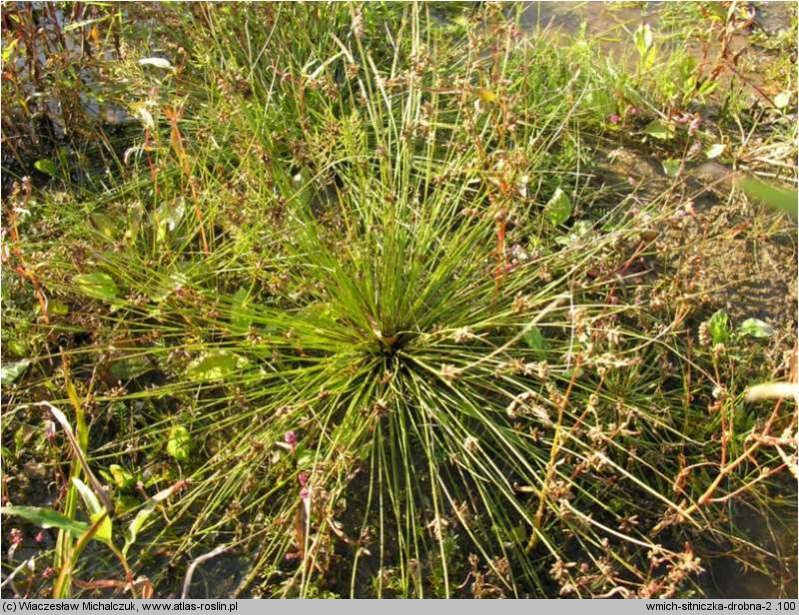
[357,290]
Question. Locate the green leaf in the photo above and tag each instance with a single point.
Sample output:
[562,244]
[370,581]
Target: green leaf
[579,231]
[717,10]
[778,198]
[659,130]
[57,308]
[715,150]
[104,223]
[17,347]
[215,366]
[305,457]
[89,498]
[132,531]
[707,88]
[96,511]
[97,285]
[10,372]
[47,518]
[135,213]
[131,367]
[46,166]
[105,531]
[123,479]
[559,208]
[139,521]
[719,327]
[169,215]
[75,25]
[754,327]
[643,39]
[9,49]
[21,437]
[179,443]
[672,166]
[535,339]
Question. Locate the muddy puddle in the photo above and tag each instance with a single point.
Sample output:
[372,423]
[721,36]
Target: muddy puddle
[613,23]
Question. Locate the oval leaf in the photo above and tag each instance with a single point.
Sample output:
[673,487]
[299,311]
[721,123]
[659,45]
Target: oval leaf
[559,208]
[535,339]
[45,166]
[136,526]
[104,223]
[170,214]
[179,444]
[97,286]
[123,479]
[129,368]
[774,196]
[659,130]
[215,366]
[9,373]
[643,39]
[671,166]
[754,327]
[719,327]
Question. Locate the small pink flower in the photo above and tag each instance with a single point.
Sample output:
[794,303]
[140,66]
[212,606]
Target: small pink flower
[614,119]
[39,537]
[290,438]
[48,573]
[305,493]
[49,430]
[302,478]
[16,536]
[694,125]
[633,111]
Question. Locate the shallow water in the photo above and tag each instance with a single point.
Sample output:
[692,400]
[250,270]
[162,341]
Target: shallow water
[613,24]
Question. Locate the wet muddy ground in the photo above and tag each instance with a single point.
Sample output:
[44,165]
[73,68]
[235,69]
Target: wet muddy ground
[748,271]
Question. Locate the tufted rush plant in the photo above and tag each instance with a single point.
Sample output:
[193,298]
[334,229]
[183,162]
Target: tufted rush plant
[414,383]
[426,399]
